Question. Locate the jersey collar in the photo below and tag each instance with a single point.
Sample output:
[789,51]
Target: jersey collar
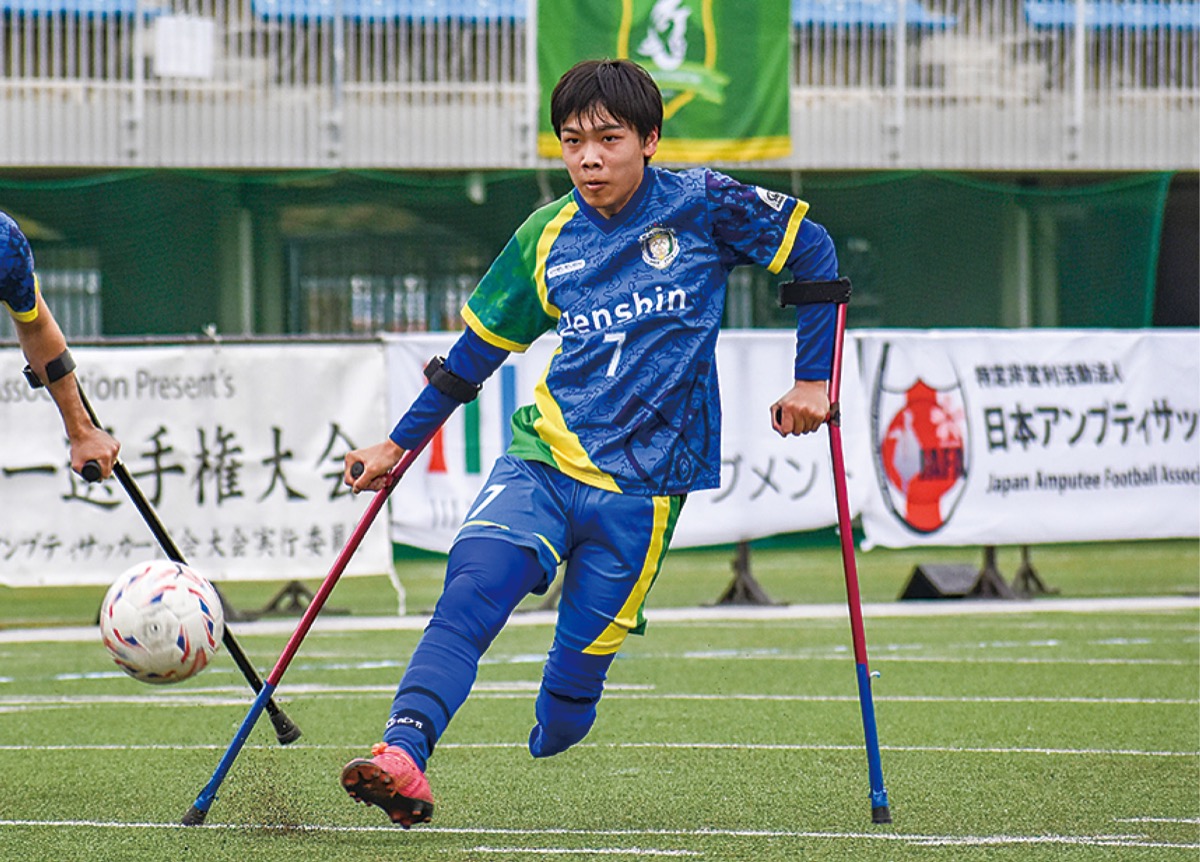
[608,225]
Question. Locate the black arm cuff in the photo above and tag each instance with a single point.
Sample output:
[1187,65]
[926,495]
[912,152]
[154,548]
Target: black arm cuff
[447,382]
[813,292]
[56,369]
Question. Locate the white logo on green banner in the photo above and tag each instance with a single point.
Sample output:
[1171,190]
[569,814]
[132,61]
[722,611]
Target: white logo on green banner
[722,68]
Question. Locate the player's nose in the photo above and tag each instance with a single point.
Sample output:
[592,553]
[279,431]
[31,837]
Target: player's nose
[590,157]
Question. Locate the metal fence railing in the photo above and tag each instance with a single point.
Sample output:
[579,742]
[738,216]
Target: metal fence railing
[74,298]
[959,84]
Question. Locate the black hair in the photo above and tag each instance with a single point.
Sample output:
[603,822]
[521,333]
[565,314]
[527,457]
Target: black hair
[620,88]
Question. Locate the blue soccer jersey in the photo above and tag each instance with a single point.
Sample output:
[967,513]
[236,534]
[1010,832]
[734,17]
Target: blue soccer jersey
[630,401]
[18,285]
[624,422]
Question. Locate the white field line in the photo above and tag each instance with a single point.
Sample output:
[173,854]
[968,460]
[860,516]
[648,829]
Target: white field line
[234,696]
[723,613]
[943,749]
[837,655]
[76,701]
[974,652]
[878,697]
[915,839]
[1127,662]
[637,852]
[884,656]
[1077,840]
[687,746]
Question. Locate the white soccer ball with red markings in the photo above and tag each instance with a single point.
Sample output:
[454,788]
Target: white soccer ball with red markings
[161,622]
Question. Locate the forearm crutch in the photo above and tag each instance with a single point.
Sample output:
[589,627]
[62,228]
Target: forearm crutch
[199,810]
[286,730]
[838,293]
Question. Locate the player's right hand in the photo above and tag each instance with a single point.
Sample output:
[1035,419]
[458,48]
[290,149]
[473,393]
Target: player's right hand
[377,461]
[94,444]
[802,409]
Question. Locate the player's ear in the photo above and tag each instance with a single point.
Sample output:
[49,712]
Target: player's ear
[650,144]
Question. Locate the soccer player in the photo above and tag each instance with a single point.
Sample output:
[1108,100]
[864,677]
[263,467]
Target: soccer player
[629,269]
[45,348]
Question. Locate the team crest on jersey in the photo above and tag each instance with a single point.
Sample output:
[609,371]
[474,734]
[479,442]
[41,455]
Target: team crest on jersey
[659,247]
[775,200]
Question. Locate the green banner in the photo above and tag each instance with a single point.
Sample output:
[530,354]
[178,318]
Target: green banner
[722,66]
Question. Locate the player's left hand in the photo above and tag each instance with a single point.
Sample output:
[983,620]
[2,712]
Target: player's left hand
[377,461]
[802,410]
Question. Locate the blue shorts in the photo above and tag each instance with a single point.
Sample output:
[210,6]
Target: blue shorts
[613,545]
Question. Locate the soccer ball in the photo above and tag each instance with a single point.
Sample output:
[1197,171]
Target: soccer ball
[161,622]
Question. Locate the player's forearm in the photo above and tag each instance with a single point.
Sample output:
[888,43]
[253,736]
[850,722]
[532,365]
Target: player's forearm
[814,258]
[76,420]
[42,342]
[815,330]
[472,359]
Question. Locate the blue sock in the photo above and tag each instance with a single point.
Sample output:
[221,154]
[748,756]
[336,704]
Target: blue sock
[485,580]
[566,703]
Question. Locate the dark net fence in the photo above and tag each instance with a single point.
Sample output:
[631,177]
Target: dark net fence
[173,252]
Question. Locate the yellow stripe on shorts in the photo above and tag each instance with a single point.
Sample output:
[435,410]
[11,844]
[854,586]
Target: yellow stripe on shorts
[614,635]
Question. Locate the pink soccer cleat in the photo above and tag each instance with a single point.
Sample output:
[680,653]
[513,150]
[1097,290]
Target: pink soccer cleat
[391,781]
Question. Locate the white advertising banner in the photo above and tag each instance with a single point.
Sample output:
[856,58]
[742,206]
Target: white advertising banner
[769,485]
[951,438]
[1032,436]
[238,448]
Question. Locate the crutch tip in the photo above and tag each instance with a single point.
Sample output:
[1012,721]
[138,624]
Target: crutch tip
[286,730]
[881,814]
[194,817]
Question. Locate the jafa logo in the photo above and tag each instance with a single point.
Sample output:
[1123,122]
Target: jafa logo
[919,433]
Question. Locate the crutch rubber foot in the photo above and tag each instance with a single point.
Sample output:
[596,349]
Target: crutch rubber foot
[881,814]
[286,730]
[194,817]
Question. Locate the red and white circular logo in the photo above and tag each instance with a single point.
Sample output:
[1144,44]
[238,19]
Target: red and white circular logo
[920,444]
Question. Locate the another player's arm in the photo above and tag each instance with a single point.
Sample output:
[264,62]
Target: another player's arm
[45,349]
[467,365]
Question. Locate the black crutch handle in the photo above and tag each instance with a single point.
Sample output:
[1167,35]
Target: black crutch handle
[90,472]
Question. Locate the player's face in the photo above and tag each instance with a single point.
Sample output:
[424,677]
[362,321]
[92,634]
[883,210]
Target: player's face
[605,159]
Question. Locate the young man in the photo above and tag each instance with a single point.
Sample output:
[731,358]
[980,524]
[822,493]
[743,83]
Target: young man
[630,271]
[45,348]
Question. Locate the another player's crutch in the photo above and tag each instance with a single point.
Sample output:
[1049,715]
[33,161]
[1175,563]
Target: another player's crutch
[838,292]
[199,810]
[286,730]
